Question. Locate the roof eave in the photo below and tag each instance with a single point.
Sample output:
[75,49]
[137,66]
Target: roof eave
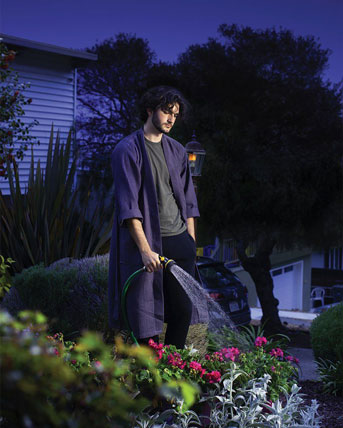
[45,47]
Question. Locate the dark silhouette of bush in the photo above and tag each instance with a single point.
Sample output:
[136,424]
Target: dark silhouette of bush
[71,293]
[326,334]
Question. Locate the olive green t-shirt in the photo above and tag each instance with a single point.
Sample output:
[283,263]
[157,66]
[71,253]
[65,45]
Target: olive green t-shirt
[170,219]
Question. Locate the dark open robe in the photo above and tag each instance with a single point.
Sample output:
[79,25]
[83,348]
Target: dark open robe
[135,197]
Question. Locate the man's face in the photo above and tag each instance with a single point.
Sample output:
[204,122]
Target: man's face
[164,119]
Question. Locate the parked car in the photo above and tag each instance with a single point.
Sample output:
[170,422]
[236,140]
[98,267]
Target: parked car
[226,289]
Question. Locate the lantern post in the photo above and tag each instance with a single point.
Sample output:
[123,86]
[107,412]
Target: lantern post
[196,155]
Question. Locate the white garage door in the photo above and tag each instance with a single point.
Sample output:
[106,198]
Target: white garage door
[288,285]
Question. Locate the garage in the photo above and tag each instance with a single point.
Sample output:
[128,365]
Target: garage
[288,286]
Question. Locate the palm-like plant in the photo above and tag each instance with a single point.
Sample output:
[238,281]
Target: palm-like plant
[50,221]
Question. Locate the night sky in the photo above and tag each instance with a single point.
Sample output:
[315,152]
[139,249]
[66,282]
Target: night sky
[171,26]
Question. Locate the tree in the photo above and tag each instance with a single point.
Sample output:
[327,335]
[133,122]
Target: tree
[15,135]
[108,94]
[272,130]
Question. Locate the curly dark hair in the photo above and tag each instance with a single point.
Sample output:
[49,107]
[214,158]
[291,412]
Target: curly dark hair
[164,97]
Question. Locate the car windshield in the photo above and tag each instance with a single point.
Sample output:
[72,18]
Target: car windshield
[217,276]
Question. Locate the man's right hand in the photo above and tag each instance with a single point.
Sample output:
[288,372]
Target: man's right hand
[151,261]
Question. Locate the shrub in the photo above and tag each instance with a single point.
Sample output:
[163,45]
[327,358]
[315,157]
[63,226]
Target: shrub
[327,344]
[71,293]
[248,406]
[331,374]
[39,388]
[245,407]
[326,334]
[47,382]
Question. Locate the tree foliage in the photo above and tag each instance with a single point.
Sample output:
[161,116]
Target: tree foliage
[272,130]
[108,93]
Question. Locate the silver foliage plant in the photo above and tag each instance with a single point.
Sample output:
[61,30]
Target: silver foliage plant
[246,407]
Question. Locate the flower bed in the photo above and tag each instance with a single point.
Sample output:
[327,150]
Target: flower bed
[187,364]
[51,382]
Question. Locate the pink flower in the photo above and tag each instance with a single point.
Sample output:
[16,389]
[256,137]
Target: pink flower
[175,360]
[213,377]
[158,347]
[195,366]
[272,368]
[207,357]
[260,341]
[97,364]
[289,358]
[230,353]
[56,352]
[218,356]
[73,361]
[296,360]
[277,353]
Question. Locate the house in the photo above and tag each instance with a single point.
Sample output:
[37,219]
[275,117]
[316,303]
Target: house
[295,274]
[52,72]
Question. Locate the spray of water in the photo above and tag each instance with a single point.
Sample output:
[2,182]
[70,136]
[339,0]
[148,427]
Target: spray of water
[201,299]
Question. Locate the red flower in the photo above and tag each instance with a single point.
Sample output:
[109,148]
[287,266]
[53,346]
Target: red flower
[260,341]
[175,360]
[230,353]
[159,354]
[276,353]
[213,377]
[290,358]
[195,366]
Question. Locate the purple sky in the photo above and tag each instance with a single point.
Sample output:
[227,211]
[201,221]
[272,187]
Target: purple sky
[171,26]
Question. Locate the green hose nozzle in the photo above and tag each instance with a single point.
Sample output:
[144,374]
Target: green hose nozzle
[167,263]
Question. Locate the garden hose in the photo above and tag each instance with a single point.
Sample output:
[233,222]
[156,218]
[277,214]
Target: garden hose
[167,263]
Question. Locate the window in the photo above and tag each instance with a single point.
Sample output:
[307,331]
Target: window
[277,272]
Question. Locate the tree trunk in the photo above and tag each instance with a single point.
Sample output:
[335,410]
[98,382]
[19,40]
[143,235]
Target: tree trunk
[258,267]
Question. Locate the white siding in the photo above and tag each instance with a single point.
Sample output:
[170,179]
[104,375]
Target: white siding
[318,260]
[52,91]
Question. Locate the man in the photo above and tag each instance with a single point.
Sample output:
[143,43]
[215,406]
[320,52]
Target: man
[155,210]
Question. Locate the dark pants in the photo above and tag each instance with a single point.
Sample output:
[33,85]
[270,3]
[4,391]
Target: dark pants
[177,305]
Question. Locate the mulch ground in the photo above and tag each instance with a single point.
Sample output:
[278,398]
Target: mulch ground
[330,407]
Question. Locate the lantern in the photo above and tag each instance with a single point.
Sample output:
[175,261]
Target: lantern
[196,156]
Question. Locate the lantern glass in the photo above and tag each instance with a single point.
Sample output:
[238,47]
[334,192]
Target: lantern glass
[196,161]
[196,156]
